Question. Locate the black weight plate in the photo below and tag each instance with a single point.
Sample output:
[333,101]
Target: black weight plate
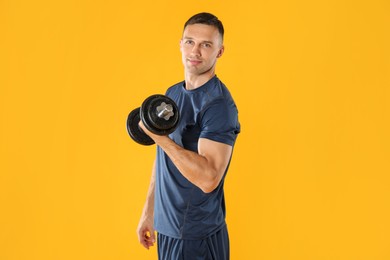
[134,131]
[149,115]
[156,124]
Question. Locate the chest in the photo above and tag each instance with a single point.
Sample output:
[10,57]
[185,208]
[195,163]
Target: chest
[189,128]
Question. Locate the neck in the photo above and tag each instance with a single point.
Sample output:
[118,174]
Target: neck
[195,81]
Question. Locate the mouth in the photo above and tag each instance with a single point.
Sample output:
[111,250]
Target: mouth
[194,62]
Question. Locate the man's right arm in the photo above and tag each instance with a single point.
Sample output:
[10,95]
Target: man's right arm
[145,228]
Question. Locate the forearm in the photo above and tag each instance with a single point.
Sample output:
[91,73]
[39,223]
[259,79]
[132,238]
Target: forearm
[205,168]
[145,230]
[193,166]
[148,210]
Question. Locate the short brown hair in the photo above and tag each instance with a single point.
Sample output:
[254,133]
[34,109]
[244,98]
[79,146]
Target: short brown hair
[208,19]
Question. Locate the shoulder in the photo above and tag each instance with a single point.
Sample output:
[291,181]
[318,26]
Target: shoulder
[175,88]
[219,95]
[217,90]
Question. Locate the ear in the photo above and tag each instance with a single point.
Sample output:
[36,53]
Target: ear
[221,51]
[181,44]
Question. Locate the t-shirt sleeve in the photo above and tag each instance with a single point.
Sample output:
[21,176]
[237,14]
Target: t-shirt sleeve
[219,122]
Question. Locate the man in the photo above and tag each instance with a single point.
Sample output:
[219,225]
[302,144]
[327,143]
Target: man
[185,202]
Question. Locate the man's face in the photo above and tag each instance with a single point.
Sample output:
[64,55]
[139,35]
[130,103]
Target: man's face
[200,46]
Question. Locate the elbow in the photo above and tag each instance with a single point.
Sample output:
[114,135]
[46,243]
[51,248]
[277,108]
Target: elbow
[210,185]
[208,189]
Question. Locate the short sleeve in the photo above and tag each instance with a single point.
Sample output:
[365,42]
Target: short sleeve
[219,121]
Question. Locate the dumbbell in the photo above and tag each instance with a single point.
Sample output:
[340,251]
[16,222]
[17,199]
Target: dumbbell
[160,116]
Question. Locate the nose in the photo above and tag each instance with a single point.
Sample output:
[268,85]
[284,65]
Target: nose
[195,50]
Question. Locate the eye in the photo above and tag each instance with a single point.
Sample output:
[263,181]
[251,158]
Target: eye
[190,42]
[206,45]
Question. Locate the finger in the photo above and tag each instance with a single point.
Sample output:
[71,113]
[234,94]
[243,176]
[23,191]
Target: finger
[150,236]
[144,243]
[153,236]
[147,243]
[146,236]
[143,239]
[142,126]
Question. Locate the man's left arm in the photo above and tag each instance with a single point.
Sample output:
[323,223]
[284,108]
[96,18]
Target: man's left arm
[204,169]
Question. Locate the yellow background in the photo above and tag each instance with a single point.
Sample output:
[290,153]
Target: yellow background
[310,173]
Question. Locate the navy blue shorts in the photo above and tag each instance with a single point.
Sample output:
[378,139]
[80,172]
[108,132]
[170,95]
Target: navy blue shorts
[214,247]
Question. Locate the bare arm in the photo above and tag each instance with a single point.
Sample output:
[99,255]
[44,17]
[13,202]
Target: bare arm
[204,169]
[145,228]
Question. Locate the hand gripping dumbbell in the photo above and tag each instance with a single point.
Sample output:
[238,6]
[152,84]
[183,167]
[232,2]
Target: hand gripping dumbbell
[160,116]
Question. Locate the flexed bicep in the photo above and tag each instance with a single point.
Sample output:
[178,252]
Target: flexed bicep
[217,155]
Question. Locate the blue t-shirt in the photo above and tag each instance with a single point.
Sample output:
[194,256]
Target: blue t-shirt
[182,210]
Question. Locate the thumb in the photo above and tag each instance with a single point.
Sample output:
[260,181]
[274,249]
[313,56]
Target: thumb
[153,235]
